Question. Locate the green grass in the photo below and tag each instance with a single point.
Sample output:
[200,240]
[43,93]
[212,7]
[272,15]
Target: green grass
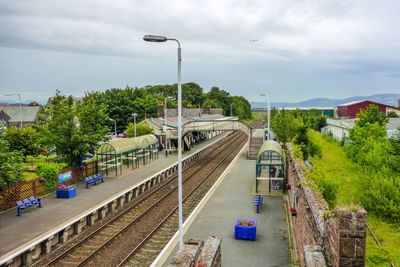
[334,165]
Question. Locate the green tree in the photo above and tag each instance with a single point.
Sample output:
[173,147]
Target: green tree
[285,125]
[368,130]
[71,132]
[25,140]
[141,129]
[392,114]
[10,166]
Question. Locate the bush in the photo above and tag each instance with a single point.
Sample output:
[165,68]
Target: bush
[50,175]
[381,194]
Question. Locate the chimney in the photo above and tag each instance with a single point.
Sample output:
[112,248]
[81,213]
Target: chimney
[160,109]
[207,110]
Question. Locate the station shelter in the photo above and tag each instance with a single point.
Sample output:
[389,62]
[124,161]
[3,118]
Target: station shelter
[126,152]
[270,168]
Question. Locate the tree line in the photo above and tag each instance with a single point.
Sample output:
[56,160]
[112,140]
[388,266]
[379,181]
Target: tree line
[71,130]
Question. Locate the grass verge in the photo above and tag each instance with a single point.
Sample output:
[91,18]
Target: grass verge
[335,166]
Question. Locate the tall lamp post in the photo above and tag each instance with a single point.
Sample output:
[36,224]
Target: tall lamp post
[166,127]
[134,121]
[157,38]
[115,126]
[20,109]
[269,113]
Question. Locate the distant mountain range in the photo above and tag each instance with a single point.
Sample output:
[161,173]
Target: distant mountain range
[388,99]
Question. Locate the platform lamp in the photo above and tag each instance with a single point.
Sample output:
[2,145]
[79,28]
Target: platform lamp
[157,38]
[134,121]
[269,113]
[20,109]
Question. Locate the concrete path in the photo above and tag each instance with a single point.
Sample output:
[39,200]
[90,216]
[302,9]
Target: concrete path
[232,200]
[16,231]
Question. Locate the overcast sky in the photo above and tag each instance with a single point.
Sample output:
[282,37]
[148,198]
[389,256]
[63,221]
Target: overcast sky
[304,48]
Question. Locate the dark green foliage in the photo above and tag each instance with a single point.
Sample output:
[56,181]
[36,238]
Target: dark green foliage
[25,140]
[141,129]
[72,130]
[121,103]
[50,175]
[392,114]
[380,161]
[10,166]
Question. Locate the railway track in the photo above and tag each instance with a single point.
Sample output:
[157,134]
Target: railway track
[138,233]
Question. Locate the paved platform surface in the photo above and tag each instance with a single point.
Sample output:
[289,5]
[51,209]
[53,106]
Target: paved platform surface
[16,231]
[233,200]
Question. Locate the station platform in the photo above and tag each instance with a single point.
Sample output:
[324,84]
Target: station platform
[17,232]
[232,200]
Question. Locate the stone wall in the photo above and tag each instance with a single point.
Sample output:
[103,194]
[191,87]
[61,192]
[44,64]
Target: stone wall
[194,253]
[341,233]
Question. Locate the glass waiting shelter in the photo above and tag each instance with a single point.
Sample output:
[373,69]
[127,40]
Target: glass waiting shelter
[270,168]
[126,152]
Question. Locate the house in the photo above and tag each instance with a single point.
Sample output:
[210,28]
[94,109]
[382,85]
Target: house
[12,116]
[351,109]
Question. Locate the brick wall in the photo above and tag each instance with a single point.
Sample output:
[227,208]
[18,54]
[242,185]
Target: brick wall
[340,232]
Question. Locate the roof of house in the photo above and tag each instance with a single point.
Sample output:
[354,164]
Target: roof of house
[361,101]
[26,113]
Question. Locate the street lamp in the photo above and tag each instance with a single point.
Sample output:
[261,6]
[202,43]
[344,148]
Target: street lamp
[156,38]
[20,110]
[166,127]
[134,119]
[115,126]
[231,108]
[269,113]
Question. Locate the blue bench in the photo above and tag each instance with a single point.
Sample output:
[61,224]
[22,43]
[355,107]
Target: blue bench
[94,179]
[258,200]
[25,203]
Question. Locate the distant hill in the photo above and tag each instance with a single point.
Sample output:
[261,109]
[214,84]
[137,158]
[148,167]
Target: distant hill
[388,99]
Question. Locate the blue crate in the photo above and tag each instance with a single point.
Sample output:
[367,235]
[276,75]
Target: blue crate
[66,192]
[245,232]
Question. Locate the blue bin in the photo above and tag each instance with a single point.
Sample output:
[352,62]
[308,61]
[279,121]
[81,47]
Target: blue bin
[245,232]
[66,192]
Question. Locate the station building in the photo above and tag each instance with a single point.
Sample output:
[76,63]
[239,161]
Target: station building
[166,126]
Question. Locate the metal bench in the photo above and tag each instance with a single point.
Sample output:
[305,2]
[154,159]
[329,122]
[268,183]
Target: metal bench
[25,203]
[94,179]
[258,200]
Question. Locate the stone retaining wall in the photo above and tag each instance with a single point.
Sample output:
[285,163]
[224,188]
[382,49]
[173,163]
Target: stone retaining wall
[341,233]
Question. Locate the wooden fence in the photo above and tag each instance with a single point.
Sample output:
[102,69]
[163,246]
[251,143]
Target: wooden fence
[10,195]
[35,187]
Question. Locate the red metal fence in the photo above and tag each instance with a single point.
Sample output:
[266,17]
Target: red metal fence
[10,195]
[35,187]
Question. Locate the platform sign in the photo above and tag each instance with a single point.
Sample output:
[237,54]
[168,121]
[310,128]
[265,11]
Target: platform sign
[65,176]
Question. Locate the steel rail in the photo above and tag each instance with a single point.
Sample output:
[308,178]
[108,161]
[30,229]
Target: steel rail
[205,160]
[150,208]
[126,260]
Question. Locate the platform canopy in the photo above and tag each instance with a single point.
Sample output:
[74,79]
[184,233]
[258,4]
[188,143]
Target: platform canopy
[123,145]
[270,153]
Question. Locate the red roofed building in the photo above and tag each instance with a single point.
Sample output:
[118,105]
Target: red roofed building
[351,109]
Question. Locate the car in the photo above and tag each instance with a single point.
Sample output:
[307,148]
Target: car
[121,135]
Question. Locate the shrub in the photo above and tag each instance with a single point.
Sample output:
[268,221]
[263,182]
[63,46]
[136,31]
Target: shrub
[50,175]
